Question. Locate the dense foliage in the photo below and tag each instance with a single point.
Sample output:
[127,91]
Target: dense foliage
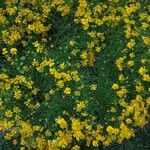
[74,74]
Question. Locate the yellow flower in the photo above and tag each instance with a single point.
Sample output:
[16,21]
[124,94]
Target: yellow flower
[57,75]
[51,92]
[64,9]
[130,63]
[62,66]
[97,49]
[115,86]
[146,77]
[132,55]
[36,44]
[148,101]
[72,42]
[93,87]
[81,105]
[77,93]
[146,40]
[15,142]
[76,147]
[106,143]
[122,92]
[26,130]
[84,55]
[16,109]
[4,51]
[131,43]
[8,136]
[110,129]
[13,51]
[139,88]
[14,36]
[75,75]
[35,62]
[2,19]
[119,63]
[121,77]
[40,141]
[17,94]
[60,84]
[8,113]
[142,71]
[138,98]
[11,11]
[129,121]
[67,77]
[113,109]
[37,128]
[74,52]
[144,61]
[76,129]
[113,119]
[62,123]
[35,91]
[67,90]
[51,63]
[125,133]
[95,143]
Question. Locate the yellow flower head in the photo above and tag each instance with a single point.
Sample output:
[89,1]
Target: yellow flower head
[17,94]
[81,105]
[8,113]
[115,86]
[62,123]
[67,90]
[93,87]
[13,51]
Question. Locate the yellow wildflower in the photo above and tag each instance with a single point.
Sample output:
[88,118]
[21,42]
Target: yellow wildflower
[4,51]
[115,86]
[146,40]
[60,84]
[81,105]
[8,113]
[72,42]
[67,90]
[130,63]
[131,44]
[142,71]
[17,94]
[93,87]
[13,51]
[62,123]
[95,143]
